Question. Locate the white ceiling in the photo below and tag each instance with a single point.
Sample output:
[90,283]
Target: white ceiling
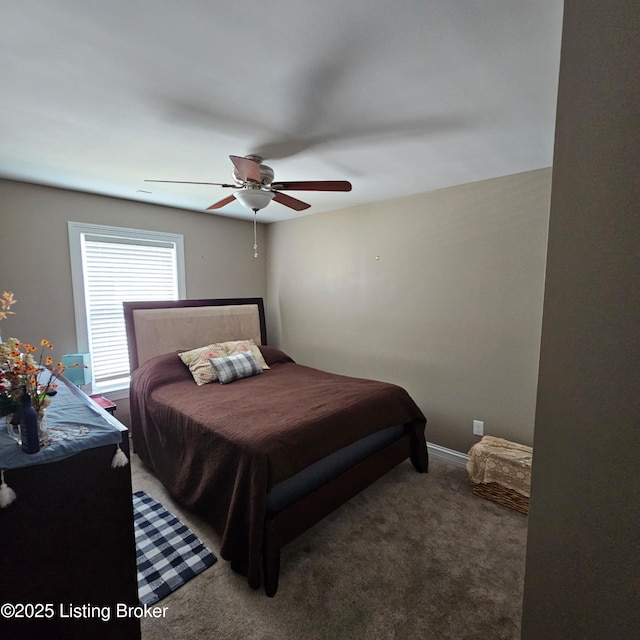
[397,97]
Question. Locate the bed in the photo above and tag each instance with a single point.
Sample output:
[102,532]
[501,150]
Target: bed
[267,456]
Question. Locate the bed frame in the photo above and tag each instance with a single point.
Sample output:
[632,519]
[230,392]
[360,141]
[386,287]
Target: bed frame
[155,328]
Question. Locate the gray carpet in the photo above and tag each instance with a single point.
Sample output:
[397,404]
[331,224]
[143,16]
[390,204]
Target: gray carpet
[413,556]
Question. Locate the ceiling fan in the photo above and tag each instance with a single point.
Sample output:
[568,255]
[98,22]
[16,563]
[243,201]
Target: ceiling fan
[256,188]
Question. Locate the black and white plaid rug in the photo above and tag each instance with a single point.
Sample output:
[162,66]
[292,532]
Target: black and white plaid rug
[169,553]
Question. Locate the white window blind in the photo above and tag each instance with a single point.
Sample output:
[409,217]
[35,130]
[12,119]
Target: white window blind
[119,265]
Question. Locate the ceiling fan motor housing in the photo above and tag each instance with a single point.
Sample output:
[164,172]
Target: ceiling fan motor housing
[266,173]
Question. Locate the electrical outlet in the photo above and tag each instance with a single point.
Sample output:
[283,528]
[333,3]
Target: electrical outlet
[478,428]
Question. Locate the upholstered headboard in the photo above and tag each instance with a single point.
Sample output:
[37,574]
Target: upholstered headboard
[154,328]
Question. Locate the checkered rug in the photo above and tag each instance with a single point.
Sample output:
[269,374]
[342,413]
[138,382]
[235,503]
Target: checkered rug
[169,554]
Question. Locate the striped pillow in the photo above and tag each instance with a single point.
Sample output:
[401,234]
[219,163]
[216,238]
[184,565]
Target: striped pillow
[240,365]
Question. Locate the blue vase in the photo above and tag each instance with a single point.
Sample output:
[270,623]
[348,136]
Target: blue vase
[28,424]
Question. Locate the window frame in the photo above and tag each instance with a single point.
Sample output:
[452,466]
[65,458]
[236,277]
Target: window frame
[77,230]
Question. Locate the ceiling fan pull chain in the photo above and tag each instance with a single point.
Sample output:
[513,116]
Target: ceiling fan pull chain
[255,234]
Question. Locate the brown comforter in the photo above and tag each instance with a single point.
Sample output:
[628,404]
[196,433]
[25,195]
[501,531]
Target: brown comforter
[220,448]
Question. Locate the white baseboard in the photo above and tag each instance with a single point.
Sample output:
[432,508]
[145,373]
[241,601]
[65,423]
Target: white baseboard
[449,455]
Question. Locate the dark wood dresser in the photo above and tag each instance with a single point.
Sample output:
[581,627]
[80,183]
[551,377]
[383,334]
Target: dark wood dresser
[67,548]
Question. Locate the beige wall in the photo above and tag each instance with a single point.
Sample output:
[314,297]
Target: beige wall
[34,260]
[583,549]
[451,310]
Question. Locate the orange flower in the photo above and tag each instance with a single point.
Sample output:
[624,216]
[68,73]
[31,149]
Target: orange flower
[48,361]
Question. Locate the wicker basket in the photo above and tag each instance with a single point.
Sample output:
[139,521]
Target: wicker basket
[502,495]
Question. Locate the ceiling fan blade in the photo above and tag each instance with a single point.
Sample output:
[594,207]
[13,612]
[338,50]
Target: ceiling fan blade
[247,169]
[314,185]
[217,184]
[222,203]
[288,201]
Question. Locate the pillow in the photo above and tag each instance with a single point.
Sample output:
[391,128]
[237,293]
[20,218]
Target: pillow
[274,356]
[238,346]
[198,359]
[235,367]
[198,362]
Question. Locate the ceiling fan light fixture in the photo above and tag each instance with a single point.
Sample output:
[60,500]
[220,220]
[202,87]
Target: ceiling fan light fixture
[254,199]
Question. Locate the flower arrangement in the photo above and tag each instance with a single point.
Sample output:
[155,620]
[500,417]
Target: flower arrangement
[20,370]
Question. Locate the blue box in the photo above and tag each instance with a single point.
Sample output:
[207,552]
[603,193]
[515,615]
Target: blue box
[79,375]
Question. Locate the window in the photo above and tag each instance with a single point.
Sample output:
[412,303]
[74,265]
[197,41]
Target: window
[111,265]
